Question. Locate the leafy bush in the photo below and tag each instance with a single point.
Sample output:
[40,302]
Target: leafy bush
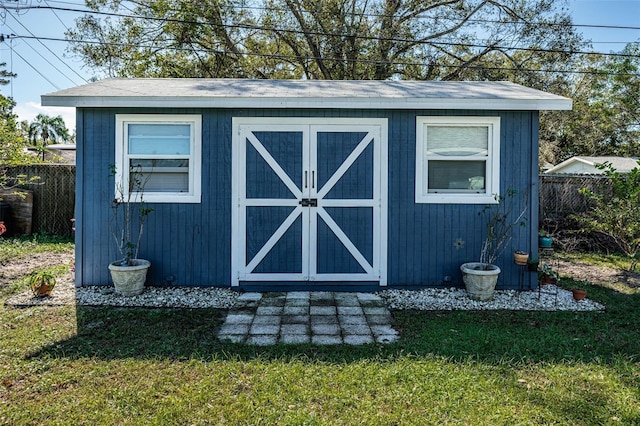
[616,213]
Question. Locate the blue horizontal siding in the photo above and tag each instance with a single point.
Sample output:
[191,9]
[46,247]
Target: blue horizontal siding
[190,244]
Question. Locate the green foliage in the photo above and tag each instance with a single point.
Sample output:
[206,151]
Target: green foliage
[12,148]
[24,246]
[45,130]
[5,75]
[547,270]
[12,145]
[42,282]
[605,119]
[616,213]
[332,39]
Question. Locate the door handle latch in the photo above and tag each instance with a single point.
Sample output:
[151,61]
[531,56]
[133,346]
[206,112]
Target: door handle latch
[309,202]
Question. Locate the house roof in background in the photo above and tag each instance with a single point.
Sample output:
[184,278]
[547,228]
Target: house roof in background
[247,93]
[621,164]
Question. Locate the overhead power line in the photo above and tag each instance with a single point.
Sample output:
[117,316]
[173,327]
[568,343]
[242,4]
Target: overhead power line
[294,58]
[43,58]
[50,51]
[307,57]
[326,34]
[3,37]
[369,14]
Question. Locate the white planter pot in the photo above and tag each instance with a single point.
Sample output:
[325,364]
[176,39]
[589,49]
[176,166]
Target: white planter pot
[129,280]
[480,282]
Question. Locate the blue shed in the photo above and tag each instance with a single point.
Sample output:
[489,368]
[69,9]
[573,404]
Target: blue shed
[291,184]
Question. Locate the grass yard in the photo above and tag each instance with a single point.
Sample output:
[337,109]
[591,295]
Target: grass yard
[78,365]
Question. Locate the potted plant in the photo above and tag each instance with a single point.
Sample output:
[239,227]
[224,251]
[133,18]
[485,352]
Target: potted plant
[578,293]
[42,283]
[480,278]
[127,227]
[544,239]
[547,275]
[520,257]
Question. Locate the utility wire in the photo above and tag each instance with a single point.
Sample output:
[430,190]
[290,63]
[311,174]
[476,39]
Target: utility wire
[326,34]
[45,59]
[56,15]
[50,51]
[382,15]
[293,58]
[31,66]
[365,61]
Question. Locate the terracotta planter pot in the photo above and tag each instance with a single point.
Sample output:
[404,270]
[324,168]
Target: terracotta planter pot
[546,279]
[44,290]
[579,294]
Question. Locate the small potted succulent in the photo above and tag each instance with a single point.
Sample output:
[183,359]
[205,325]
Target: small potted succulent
[42,283]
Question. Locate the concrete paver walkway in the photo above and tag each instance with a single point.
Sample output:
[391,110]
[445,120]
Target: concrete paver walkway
[323,318]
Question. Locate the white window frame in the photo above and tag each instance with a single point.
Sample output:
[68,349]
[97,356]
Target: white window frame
[492,173]
[194,195]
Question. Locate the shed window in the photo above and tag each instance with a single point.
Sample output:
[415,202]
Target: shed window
[165,149]
[457,159]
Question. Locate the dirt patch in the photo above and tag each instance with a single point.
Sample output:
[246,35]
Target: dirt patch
[14,269]
[598,274]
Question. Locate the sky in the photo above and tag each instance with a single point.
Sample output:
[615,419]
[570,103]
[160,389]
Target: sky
[44,66]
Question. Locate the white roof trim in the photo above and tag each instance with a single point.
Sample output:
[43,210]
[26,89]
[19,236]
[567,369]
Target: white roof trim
[568,162]
[305,94]
[594,161]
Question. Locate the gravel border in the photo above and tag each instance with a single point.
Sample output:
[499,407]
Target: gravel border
[65,293]
[552,298]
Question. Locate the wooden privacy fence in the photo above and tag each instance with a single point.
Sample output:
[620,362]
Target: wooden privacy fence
[560,194]
[53,196]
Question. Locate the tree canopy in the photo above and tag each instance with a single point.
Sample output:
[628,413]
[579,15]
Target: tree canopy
[322,39]
[45,129]
[605,119]
[12,142]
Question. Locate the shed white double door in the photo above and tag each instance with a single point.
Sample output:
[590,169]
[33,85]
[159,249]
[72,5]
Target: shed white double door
[309,200]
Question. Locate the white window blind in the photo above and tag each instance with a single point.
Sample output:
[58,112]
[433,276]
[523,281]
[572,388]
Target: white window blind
[159,139]
[457,140]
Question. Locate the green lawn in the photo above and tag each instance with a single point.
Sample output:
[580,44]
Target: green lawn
[79,365]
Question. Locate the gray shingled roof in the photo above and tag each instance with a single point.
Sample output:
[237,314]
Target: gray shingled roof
[245,93]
